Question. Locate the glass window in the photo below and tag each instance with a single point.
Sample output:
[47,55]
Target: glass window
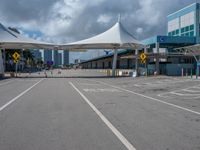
[177,31]
[182,34]
[169,34]
[182,30]
[174,32]
[187,28]
[192,33]
[187,34]
[192,27]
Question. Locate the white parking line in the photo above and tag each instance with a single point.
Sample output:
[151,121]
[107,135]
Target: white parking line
[192,91]
[158,83]
[21,94]
[151,98]
[126,143]
[88,84]
[184,94]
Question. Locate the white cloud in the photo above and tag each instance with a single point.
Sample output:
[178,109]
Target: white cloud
[139,30]
[104,18]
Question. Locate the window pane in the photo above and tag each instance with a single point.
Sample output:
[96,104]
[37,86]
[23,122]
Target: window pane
[182,30]
[192,27]
[192,33]
[187,28]
[177,31]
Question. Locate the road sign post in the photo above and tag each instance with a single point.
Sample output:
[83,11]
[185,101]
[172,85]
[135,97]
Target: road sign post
[143,60]
[16,58]
[16,66]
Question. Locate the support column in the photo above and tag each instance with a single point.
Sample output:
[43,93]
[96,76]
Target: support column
[114,62]
[157,58]
[136,61]
[4,59]
[1,64]
[146,64]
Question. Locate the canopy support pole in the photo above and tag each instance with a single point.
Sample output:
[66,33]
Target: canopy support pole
[114,63]
[136,62]
[4,61]
[157,59]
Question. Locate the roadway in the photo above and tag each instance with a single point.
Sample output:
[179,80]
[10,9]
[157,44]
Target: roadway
[100,113]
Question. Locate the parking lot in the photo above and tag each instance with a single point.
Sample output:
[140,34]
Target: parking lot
[154,113]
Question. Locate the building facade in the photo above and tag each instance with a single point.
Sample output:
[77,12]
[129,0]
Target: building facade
[65,57]
[37,54]
[59,59]
[55,58]
[185,22]
[47,56]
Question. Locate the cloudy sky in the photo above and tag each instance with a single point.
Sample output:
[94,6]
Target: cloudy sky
[63,21]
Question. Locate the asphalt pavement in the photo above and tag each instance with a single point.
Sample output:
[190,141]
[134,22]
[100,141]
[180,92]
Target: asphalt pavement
[155,113]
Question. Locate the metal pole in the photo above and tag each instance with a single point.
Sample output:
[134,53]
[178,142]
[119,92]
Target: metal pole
[16,66]
[4,59]
[157,59]
[146,63]
[136,61]
[114,62]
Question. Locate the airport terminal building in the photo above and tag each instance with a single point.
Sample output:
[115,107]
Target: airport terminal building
[183,29]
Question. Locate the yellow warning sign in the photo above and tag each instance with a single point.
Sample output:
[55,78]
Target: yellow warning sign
[143,58]
[16,56]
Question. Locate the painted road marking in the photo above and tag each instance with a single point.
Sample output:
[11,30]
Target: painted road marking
[187,92]
[21,94]
[88,84]
[192,91]
[126,143]
[157,83]
[151,98]
[184,94]
[102,90]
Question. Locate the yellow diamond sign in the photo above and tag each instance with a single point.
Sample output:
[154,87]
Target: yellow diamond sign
[16,56]
[143,56]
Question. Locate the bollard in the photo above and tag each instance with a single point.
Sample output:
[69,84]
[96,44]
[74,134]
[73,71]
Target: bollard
[182,72]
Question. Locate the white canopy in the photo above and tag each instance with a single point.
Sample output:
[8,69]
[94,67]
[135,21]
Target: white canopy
[12,40]
[117,37]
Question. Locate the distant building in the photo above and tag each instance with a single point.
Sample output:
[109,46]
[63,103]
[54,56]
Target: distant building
[37,54]
[59,59]
[66,57]
[47,56]
[77,61]
[55,57]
